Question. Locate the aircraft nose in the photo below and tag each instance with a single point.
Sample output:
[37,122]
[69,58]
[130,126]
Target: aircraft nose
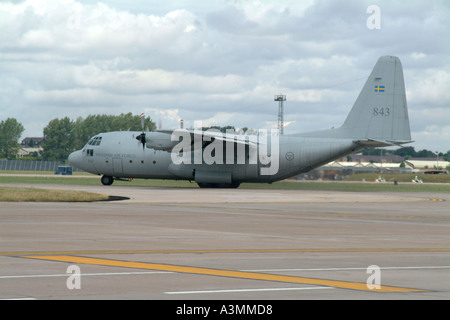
[75,159]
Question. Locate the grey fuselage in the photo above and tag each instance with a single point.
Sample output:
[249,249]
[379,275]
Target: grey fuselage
[120,156]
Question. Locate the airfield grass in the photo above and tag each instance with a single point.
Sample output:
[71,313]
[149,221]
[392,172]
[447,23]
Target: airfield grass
[432,183]
[19,194]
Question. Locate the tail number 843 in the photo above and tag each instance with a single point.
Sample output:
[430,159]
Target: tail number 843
[381,112]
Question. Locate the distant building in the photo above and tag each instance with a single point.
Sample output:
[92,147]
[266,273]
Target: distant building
[389,158]
[32,142]
[426,163]
[30,145]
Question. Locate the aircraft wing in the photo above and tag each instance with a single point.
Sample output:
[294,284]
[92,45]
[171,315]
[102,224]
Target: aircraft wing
[211,135]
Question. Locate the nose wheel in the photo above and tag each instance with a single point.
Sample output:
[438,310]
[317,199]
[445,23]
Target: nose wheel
[107,180]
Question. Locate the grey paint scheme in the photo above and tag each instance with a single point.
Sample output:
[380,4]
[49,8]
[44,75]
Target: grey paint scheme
[378,118]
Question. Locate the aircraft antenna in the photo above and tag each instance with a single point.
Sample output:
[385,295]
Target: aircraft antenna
[280,98]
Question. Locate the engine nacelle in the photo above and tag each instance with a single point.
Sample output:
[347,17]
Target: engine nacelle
[159,141]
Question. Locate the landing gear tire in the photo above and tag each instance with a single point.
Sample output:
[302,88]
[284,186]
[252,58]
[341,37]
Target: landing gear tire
[205,185]
[107,180]
[232,185]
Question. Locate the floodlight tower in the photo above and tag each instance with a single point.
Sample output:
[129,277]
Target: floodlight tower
[280,98]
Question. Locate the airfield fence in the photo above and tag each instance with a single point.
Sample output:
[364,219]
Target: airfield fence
[31,165]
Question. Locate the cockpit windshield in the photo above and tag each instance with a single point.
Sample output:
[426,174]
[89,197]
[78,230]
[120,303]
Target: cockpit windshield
[95,141]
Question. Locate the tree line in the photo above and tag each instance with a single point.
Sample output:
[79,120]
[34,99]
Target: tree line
[10,132]
[63,136]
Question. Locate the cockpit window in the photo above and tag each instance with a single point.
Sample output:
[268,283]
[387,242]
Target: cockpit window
[95,141]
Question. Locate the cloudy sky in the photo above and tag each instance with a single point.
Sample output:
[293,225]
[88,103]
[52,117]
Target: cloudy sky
[220,61]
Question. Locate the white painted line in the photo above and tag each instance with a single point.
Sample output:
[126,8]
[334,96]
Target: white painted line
[247,290]
[83,274]
[19,299]
[344,269]
[253,270]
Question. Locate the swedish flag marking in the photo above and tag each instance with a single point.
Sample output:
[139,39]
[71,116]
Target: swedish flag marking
[379,88]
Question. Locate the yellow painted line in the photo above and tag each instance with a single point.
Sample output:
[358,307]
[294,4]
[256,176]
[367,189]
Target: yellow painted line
[222,273]
[26,253]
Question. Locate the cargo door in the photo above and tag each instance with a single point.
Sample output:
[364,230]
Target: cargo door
[117,166]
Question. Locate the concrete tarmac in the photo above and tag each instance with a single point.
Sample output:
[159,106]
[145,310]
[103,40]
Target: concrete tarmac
[208,244]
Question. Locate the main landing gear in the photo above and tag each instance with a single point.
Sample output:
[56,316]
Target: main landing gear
[107,180]
[232,185]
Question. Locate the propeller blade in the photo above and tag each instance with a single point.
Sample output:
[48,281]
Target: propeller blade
[142,122]
[141,139]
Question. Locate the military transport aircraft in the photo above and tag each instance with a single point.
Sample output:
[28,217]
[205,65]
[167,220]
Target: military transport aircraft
[378,118]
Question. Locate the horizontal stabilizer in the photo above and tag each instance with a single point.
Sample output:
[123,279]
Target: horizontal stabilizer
[371,143]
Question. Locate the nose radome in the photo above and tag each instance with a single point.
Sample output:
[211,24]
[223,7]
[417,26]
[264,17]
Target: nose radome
[75,159]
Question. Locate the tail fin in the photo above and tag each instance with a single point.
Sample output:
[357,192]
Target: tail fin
[380,113]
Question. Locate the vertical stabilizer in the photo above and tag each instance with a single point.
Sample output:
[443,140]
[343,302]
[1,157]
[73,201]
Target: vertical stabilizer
[380,111]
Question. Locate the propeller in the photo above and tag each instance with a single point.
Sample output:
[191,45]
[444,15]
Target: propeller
[141,138]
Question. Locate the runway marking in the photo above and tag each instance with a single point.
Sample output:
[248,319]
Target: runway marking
[18,299]
[247,290]
[34,253]
[249,270]
[84,274]
[222,273]
[346,269]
